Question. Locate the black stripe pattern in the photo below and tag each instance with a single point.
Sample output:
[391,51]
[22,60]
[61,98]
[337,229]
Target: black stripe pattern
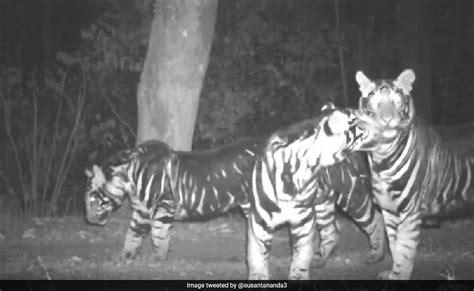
[415,173]
[289,188]
[164,185]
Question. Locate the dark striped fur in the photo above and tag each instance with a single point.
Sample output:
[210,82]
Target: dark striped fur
[164,185]
[285,183]
[415,174]
[219,173]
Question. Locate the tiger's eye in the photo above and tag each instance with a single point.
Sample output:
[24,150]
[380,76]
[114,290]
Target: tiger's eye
[397,100]
[373,103]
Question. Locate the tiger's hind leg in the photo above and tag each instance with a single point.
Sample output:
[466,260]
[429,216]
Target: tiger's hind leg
[160,234]
[139,228]
[359,206]
[328,231]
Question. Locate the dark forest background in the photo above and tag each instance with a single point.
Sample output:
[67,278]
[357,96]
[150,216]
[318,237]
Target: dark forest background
[69,71]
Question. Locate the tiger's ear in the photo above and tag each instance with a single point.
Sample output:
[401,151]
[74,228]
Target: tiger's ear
[88,173]
[365,85]
[338,122]
[405,80]
[99,176]
[328,106]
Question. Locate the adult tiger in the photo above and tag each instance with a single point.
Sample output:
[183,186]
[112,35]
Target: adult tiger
[285,181]
[415,173]
[164,185]
[210,182]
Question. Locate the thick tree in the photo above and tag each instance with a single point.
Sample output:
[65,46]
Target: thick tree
[174,69]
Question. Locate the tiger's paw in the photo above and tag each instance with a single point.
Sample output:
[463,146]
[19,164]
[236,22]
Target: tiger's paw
[127,257]
[259,276]
[319,260]
[157,257]
[374,257]
[385,275]
[390,275]
[300,274]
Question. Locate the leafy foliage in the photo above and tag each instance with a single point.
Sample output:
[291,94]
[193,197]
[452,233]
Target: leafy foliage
[42,128]
[261,75]
[272,63]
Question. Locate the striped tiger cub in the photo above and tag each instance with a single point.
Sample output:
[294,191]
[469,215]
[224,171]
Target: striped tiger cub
[415,173]
[285,181]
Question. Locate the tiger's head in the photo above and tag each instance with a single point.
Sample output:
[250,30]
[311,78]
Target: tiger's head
[103,195]
[321,141]
[340,135]
[387,104]
[294,155]
[386,110]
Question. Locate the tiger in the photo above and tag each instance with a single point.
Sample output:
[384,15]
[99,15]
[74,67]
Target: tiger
[285,181]
[219,180]
[164,185]
[415,173]
[348,178]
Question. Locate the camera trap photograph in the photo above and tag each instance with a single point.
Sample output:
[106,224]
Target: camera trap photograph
[236,140]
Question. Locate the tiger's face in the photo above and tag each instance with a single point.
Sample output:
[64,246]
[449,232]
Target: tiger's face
[99,204]
[340,135]
[322,141]
[387,104]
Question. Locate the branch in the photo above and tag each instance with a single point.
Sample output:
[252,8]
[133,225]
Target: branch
[62,172]
[54,141]
[341,56]
[112,108]
[7,122]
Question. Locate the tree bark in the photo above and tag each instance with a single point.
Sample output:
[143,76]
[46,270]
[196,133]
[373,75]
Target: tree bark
[174,69]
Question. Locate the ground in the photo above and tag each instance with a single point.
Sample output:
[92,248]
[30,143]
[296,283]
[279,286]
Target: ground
[69,248]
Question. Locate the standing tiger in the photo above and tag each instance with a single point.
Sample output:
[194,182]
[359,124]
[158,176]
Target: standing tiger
[164,185]
[415,173]
[285,181]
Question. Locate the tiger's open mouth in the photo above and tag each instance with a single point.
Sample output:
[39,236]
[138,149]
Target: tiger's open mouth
[354,142]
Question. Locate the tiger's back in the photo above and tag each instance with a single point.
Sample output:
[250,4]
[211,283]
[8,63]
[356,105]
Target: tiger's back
[213,181]
[443,178]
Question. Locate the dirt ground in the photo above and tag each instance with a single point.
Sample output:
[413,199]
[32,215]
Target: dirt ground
[69,248]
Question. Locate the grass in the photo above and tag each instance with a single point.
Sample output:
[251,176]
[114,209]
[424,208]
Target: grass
[448,274]
[12,219]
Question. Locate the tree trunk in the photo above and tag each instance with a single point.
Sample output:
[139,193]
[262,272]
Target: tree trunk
[414,28]
[174,69]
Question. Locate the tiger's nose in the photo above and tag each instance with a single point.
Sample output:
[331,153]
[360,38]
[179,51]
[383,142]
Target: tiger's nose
[386,118]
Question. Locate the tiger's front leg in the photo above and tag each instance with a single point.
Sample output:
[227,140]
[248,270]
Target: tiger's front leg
[160,233]
[138,229]
[403,233]
[359,206]
[328,231]
[302,240]
[259,241]
[376,232]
